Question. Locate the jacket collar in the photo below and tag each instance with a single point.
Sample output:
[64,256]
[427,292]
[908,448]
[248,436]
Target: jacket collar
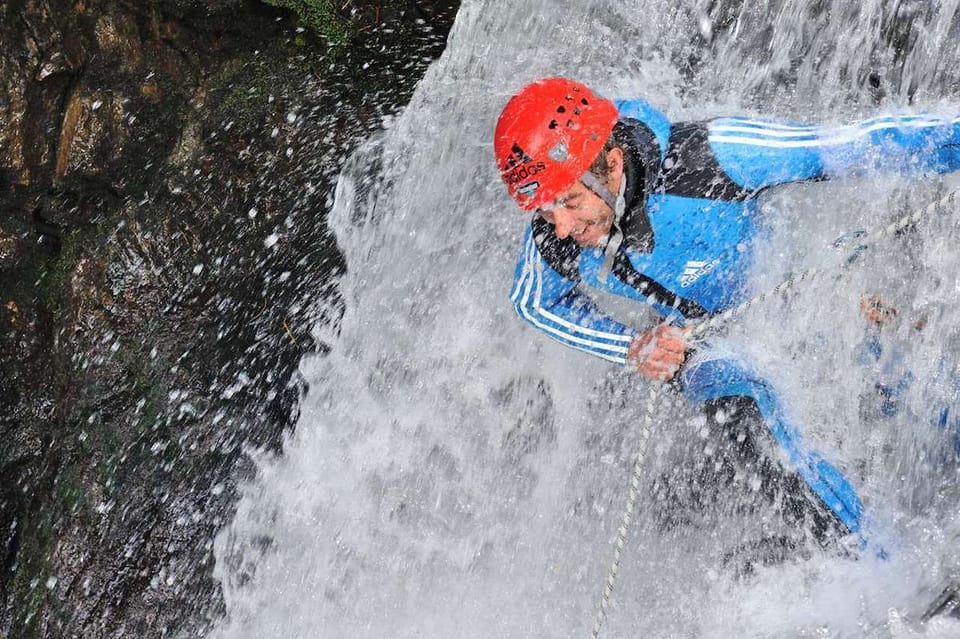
[641,163]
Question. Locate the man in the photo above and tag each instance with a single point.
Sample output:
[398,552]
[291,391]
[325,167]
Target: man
[665,214]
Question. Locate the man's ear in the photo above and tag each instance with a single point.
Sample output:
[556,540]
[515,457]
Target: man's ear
[615,162]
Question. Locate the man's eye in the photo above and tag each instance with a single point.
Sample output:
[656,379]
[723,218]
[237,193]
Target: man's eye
[572,206]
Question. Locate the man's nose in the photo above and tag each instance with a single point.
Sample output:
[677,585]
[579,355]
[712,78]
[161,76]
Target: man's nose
[563,224]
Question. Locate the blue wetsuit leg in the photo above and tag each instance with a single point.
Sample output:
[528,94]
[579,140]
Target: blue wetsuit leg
[829,503]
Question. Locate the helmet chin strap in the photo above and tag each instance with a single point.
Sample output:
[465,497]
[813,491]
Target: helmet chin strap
[614,200]
[618,204]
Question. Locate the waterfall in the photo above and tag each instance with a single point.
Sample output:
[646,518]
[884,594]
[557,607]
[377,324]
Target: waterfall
[455,474]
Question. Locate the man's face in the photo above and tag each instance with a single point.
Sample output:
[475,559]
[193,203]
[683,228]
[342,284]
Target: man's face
[580,214]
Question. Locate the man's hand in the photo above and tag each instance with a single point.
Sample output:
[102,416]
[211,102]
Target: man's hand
[882,315]
[658,352]
[876,311]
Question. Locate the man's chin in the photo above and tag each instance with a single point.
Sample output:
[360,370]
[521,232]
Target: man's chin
[587,242]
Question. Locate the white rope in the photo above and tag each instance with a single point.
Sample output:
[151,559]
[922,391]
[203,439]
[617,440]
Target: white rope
[627,516]
[812,273]
[697,332]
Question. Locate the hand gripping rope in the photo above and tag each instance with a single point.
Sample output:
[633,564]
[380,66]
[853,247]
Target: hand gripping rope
[861,241]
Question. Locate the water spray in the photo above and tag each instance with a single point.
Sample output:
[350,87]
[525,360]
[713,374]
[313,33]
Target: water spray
[859,241]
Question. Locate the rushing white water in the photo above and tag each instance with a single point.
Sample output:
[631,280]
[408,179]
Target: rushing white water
[455,473]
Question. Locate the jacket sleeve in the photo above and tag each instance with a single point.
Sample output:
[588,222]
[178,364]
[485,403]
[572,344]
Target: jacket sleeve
[555,305]
[760,153]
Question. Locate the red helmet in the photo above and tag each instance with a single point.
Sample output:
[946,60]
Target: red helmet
[547,137]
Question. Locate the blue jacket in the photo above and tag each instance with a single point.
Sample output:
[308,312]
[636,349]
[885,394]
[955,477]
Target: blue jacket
[692,219]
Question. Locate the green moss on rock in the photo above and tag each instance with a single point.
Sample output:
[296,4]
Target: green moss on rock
[318,15]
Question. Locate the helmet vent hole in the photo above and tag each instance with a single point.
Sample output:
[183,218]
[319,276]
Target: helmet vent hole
[569,97]
[584,102]
[560,109]
[553,124]
[576,111]
[571,124]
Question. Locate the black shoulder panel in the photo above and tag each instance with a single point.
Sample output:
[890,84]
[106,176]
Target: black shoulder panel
[641,163]
[690,168]
[563,256]
[626,273]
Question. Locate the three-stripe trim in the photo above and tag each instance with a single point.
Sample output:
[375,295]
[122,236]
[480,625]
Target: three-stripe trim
[527,296]
[768,134]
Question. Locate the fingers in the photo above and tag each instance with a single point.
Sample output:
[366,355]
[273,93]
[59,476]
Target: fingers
[653,344]
[667,352]
[875,310]
[659,352]
[659,370]
[670,345]
[670,338]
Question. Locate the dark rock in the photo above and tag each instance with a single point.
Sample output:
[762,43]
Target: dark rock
[165,170]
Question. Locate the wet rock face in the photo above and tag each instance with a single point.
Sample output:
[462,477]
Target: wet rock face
[165,170]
